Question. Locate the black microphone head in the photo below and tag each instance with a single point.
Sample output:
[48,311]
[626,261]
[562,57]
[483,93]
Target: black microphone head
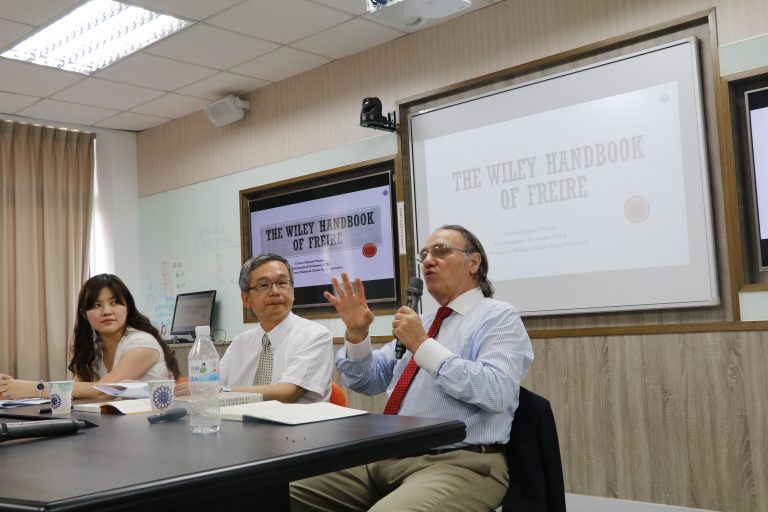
[415,286]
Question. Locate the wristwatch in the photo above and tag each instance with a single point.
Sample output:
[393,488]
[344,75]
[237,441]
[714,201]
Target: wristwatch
[40,387]
[226,389]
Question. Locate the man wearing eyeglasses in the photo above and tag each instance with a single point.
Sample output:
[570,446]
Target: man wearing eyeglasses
[464,362]
[287,357]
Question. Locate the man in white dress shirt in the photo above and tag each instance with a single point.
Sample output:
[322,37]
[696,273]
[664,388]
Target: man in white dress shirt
[301,350]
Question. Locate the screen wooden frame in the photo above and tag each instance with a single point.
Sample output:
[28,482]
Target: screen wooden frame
[325,178]
[724,193]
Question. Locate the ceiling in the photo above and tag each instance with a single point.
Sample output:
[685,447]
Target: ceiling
[232,47]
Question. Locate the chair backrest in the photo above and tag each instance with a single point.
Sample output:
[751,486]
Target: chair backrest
[533,456]
[338,396]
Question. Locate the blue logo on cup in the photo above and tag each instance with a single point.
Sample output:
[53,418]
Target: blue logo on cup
[55,401]
[162,397]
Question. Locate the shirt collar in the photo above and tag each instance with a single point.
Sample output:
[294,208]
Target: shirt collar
[280,330]
[466,301]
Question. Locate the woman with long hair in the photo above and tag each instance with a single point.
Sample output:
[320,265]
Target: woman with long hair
[113,342]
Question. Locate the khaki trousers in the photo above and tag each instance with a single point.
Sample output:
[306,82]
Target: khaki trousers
[460,481]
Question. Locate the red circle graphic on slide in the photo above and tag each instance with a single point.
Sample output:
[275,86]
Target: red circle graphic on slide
[369,250]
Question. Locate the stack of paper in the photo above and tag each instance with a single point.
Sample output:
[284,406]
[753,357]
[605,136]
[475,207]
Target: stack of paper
[228,398]
[138,406]
[125,389]
[273,411]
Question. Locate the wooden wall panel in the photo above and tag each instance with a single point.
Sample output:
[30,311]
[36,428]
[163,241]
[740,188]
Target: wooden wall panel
[675,419]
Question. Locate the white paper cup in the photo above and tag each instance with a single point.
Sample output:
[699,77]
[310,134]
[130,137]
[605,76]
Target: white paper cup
[61,396]
[161,394]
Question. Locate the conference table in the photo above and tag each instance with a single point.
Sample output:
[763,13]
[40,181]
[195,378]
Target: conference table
[126,463]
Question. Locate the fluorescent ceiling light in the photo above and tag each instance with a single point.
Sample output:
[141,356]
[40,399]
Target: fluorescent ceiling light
[95,35]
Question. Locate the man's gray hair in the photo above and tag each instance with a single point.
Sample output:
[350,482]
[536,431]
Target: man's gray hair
[250,265]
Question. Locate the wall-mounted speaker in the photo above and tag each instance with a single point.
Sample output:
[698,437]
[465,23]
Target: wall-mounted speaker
[226,110]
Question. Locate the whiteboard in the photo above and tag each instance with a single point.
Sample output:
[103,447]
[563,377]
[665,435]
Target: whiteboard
[189,238]
[588,189]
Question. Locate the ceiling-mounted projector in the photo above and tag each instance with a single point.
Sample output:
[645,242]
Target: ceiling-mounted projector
[414,12]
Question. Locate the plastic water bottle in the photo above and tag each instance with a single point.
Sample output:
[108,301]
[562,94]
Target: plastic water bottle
[205,417]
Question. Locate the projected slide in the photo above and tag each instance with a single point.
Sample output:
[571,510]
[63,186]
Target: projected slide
[589,189]
[759,124]
[586,198]
[323,237]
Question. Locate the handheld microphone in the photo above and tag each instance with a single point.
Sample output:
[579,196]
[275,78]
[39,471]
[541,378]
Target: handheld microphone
[42,428]
[413,296]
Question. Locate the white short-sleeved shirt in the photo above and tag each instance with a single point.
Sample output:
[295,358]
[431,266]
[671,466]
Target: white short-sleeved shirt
[302,355]
[139,339]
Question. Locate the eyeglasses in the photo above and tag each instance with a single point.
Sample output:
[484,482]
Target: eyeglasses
[282,284]
[439,251]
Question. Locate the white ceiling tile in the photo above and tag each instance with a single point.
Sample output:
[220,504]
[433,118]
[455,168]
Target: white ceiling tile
[62,111]
[25,78]
[35,12]
[103,93]
[221,84]
[154,72]
[280,64]
[355,7]
[12,103]
[348,38]
[282,21]
[11,33]
[214,47]
[132,121]
[172,105]
[192,9]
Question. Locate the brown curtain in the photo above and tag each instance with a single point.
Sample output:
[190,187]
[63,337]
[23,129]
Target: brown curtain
[46,196]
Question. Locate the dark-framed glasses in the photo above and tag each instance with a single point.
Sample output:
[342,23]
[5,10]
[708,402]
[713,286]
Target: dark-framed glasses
[439,251]
[263,287]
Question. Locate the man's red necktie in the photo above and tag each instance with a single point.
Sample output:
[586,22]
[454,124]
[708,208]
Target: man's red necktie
[401,388]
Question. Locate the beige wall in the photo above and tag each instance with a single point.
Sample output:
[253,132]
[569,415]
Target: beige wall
[680,419]
[319,109]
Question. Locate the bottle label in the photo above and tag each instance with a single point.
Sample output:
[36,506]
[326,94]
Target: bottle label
[204,370]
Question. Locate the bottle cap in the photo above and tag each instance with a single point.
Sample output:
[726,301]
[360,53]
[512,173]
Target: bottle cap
[202,330]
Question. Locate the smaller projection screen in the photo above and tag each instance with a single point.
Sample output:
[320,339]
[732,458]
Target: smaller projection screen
[588,189]
[342,222]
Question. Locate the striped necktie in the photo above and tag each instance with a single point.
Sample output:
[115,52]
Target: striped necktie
[401,388]
[263,375]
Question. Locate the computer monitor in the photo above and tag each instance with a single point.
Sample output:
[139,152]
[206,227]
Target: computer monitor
[192,309]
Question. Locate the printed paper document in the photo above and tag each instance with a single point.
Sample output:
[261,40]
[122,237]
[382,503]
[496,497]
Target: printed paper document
[288,414]
[125,389]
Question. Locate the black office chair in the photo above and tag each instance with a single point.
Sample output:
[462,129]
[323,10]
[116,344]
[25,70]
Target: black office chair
[533,456]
